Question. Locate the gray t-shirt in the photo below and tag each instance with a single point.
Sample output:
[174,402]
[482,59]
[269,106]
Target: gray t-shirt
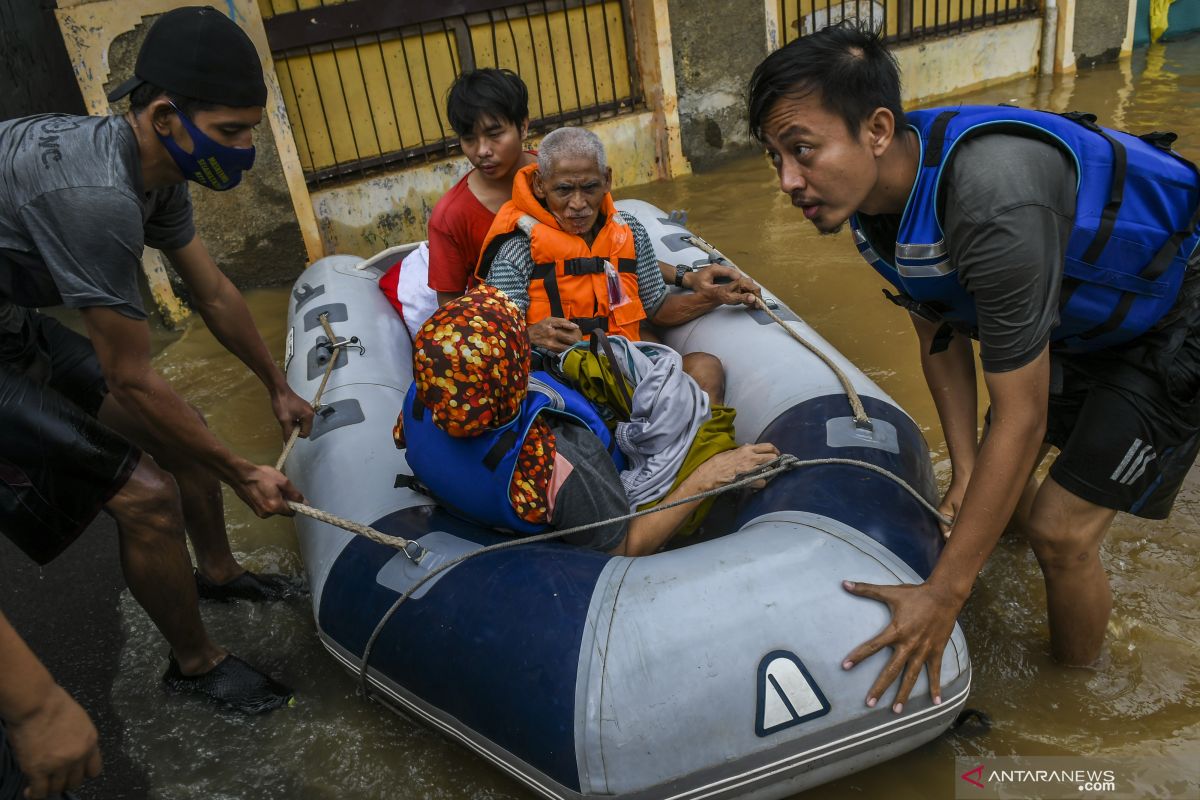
[1007,205]
[74,217]
[592,492]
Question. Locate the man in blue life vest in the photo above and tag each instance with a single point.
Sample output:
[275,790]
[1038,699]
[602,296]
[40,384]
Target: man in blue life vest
[1064,248]
[87,423]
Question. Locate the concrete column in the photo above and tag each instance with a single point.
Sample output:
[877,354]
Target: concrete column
[1101,28]
[716,46]
[261,233]
[652,37]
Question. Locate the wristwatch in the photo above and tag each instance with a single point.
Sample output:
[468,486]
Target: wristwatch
[680,271]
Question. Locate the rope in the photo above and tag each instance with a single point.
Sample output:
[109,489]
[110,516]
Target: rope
[316,401]
[366,531]
[861,419]
[781,464]
[860,414]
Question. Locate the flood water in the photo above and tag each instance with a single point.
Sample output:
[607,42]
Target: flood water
[1143,704]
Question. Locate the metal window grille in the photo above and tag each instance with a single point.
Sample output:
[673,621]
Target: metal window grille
[365,81]
[901,20]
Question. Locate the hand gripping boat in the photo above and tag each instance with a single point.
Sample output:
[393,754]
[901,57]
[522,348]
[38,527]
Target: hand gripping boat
[708,671]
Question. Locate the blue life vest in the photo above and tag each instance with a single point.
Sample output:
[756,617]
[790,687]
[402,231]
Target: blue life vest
[1136,216]
[471,475]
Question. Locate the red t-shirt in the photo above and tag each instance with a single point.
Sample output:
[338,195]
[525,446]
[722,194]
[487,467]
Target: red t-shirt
[457,228]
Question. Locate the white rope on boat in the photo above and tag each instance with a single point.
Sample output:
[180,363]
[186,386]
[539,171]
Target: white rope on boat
[771,469]
[861,419]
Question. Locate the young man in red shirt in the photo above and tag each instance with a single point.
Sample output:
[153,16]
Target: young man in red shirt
[489,110]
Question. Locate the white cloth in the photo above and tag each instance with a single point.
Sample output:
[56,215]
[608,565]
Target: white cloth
[668,409]
[412,290]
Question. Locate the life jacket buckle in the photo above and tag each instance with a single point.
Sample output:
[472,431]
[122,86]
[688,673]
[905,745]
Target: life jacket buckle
[1084,118]
[1160,139]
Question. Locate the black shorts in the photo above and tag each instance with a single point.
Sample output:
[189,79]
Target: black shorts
[58,464]
[1127,421]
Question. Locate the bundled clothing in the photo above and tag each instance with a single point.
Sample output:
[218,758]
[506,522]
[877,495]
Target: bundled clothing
[528,452]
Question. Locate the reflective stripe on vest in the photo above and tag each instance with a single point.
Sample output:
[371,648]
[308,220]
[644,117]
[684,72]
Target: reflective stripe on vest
[471,475]
[1136,216]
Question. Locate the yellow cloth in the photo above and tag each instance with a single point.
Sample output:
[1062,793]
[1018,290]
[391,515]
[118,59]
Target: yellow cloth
[591,376]
[715,436]
[1159,11]
[595,380]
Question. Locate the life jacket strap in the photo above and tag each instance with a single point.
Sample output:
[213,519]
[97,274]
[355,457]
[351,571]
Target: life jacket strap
[937,139]
[589,325]
[600,342]
[496,454]
[410,482]
[545,273]
[941,339]
[926,311]
[1116,193]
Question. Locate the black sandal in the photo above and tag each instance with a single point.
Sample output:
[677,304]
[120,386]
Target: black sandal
[232,683]
[255,587]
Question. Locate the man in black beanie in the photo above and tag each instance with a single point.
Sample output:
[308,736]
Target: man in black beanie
[87,424]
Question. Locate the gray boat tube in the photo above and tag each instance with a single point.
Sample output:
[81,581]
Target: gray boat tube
[707,671]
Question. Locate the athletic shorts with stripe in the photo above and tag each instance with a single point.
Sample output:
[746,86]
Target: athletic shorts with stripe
[58,464]
[1127,421]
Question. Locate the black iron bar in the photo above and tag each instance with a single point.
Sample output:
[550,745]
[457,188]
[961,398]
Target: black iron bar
[608,49]
[553,60]
[387,77]
[537,70]
[587,29]
[571,56]
[324,114]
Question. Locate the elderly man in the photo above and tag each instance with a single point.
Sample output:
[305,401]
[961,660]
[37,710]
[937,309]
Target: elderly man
[573,264]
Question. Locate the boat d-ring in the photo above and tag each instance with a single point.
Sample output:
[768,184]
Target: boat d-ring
[414,551]
[348,344]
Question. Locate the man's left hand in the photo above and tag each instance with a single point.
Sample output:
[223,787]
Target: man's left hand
[291,409]
[922,620]
[725,285]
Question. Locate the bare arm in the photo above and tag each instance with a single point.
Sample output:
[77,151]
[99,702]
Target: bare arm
[950,376]
[923,616]
[123,347]
[648,534]
[55,744]
[705,294]
[225,312]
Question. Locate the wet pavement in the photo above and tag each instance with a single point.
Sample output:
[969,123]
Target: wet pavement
[67,613]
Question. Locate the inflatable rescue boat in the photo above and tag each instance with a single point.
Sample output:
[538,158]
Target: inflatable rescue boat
[710,670]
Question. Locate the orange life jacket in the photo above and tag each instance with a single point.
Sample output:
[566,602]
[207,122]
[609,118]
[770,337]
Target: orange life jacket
[570,279]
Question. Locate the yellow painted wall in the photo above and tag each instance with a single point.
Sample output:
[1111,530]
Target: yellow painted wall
[387,94]
[955,64]
[365,216]
[792,13]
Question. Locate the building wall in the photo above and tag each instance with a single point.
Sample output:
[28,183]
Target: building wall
[369,215]
[716,46]
[1099,30]
[941,67]
[35,74]
[254,229]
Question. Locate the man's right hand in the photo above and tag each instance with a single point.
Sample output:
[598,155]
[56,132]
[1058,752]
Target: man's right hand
[554,334]
[56,745]
[266,490]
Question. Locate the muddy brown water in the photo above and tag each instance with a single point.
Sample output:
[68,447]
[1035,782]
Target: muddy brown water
[1143,704]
